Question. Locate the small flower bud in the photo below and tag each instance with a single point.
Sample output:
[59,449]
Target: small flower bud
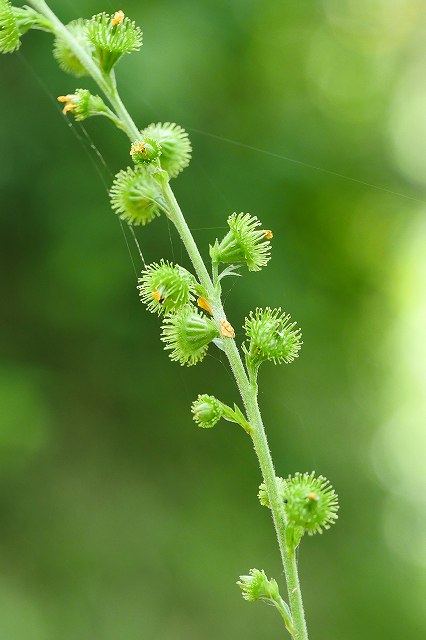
[310,503]
[136,196]
[187,334]
[207,411]
[82,104]
[166,287]
[175,146]
[256,586]
[272,337]
[243,243]
[112,36]
[145,151]
[65,56]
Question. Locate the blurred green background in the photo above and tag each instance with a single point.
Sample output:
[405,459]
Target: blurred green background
[119,518]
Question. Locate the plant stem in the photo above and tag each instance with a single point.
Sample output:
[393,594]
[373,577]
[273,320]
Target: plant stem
[295,594]
[178,219]
[128,125]
[247,388]
[278,515]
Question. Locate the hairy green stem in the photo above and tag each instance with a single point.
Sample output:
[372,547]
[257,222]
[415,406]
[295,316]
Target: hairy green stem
[127,123]
[294,593]
[247,388]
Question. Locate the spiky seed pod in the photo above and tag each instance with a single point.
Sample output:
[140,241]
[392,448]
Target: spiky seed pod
[166,287]
[136,196]
[175,146]
[310,502]
[10,39]
[15,21]
[65,57]
[256,586]
[112,36]
[82,104]
[145,150]
[243,243]
[272,337]
[187,334]
[207,411]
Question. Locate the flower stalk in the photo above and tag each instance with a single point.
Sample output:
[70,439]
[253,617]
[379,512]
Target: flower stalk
[139,195]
